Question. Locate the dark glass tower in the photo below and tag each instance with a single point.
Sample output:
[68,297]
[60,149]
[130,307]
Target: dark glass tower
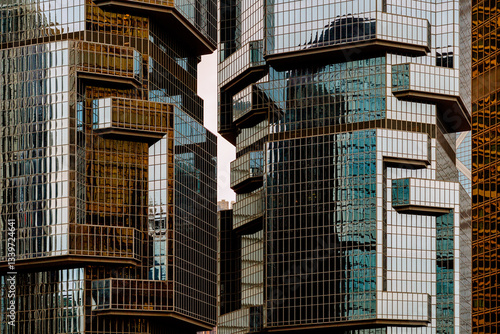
[351,124]
[106,169]
[485,167]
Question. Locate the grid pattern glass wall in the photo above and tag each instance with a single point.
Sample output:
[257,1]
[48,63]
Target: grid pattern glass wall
[106,166]
[485,162]
[361,112]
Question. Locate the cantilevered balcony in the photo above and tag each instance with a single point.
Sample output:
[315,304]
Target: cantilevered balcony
[180,21]
[106,241]
[247,172]
[248,210]
[424,197]
[106,65]
[73,244]
[249,107]
[403,149]
[408,309]
[140,298]
[242,68]
[400,309]
[346,38]
[237,73]
[130,296]
[132,120]
[436,85]
[245,320]
[252,105]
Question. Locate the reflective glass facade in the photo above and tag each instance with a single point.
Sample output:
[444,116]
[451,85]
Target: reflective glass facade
[106,167]
[351,121]
[485,167]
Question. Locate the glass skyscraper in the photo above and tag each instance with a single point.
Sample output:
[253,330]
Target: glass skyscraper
[485,167]
[351,121]
[106,172]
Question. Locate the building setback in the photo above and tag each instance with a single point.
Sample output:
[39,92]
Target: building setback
[351,121]
[485,168]
[107,171]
